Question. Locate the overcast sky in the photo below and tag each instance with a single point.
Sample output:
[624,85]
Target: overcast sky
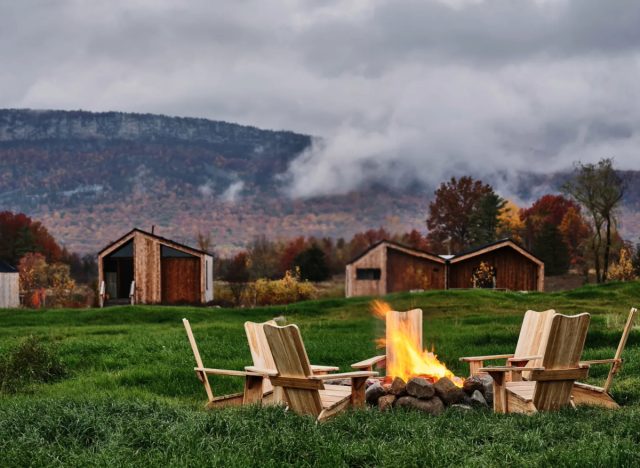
[399,90]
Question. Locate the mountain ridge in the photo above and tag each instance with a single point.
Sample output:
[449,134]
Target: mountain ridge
[92,176]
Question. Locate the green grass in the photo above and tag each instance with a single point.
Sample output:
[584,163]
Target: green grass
[130,397]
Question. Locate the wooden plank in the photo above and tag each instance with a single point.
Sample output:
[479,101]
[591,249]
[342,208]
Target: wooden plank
[346,375]
[563,350]
[292,361]
[253,389]
[298,383]
[559,374]
[234,399]
[358,387]
[485,358]
[196,355]
[367,364]
[590,395]
[410,323]
[621,345]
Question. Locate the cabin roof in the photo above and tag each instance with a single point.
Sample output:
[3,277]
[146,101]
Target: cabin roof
[499,244]
[401,248]
[507,242]
[161,239]
[6,268]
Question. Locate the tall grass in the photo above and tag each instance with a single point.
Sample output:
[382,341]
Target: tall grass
[130,396]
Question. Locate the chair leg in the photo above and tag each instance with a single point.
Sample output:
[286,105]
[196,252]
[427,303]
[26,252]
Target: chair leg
[358,386]
[499,392]
[252,389]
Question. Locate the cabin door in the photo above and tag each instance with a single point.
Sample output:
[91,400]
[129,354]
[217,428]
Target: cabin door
[180,278]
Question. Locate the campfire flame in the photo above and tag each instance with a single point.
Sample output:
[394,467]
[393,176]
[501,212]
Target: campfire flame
[409,361]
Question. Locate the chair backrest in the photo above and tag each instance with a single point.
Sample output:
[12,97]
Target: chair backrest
[260,352]
[563,348]
[531,341]
[291,361]
[410,323]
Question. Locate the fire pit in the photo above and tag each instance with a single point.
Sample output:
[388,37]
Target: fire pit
[416,378]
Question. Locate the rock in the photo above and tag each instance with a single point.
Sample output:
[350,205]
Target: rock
[472,384]
[373,393]
[386,402]
[462,407]
[487,391]
[398,387]
[448,392]
[420,388]
[433,406]
[477,399]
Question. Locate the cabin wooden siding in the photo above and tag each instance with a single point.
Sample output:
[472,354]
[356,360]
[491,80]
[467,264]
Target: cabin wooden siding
[405,269]
[9,290]
[186,279]
[375,258]
[406,272]
[513,270]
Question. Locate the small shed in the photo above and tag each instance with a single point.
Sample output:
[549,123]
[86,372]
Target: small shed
[515,268]
[388,267]
[9,286]
[144,268]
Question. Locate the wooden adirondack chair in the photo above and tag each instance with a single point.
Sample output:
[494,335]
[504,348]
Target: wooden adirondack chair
[306,393]
[528,349]
[263,359]
[550,384]
[253,384]
[410,322]
[585,394]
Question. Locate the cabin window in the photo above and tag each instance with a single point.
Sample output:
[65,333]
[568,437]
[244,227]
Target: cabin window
[368,273]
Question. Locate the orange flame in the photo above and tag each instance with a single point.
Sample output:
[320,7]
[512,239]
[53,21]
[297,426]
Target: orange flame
[409,361]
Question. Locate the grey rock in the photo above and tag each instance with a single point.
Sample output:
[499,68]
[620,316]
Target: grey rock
[420,388]
[373,393]
[448,391]
[461,407]
[477,399]
[433,406]
[487,392]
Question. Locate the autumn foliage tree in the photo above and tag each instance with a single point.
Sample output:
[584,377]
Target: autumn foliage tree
[459,213]
[19,235]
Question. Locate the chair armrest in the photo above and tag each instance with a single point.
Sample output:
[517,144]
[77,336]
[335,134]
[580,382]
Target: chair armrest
[505,369]
[521,361]
[316,368]
[573,373]
[367,363]
[344,375]
[261,371]
[233,373]
[599,361]
[486,358]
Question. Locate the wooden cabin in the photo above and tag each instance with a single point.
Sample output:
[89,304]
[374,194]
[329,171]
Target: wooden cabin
[144,268]
[388,267]
[9,286]
[514,267]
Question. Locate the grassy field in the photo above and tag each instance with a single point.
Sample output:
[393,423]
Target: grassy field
[130,397]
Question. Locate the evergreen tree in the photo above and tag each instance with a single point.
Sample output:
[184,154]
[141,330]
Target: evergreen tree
[312,264]
[484,220]
[549,246]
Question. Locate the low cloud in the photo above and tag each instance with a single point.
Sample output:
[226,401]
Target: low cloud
[398,90]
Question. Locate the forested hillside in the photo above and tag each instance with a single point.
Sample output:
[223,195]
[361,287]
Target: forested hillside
[92,176]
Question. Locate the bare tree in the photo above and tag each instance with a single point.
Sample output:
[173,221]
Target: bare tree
[204,241]
[599,189]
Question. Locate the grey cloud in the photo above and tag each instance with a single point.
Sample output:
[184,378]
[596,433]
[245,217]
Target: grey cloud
[400,91]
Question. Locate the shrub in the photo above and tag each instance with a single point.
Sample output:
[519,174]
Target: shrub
[283,291]
[623,269]
[30,362]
